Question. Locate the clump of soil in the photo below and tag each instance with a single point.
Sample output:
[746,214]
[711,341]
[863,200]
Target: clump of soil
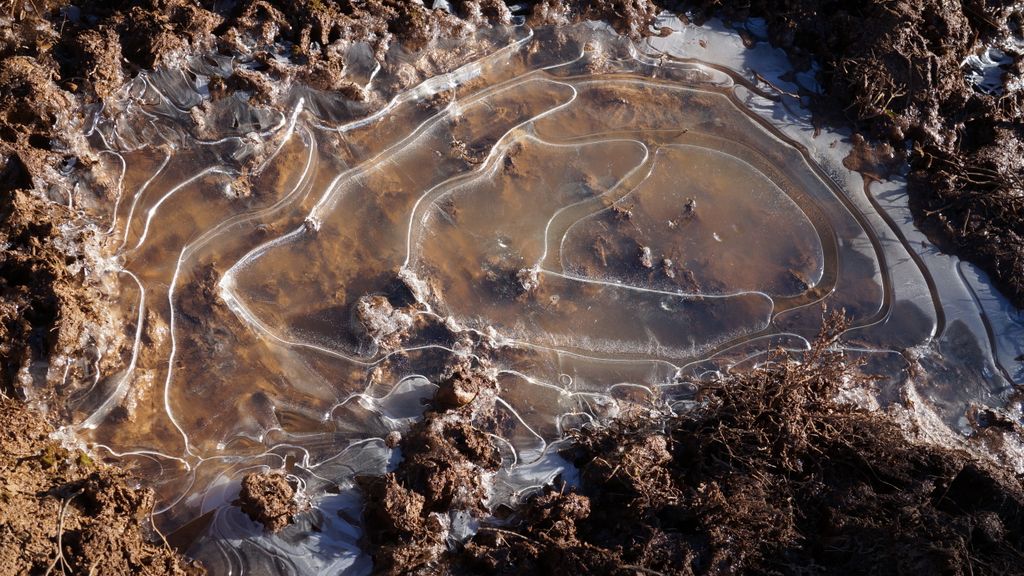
[34,283]
[381,323]
[268,498]
[63,513]
[412,515]
[632,18]
[44,302]
[768,475]
[460,387]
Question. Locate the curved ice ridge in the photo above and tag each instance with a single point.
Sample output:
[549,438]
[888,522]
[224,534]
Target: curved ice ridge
[600,223]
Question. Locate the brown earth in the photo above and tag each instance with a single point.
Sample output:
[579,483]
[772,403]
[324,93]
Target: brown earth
[769,475]
[63,513]
[268,499]
[730,488]
[445,461]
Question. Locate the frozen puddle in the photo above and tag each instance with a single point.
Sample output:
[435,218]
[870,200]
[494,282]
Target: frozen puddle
[596,221]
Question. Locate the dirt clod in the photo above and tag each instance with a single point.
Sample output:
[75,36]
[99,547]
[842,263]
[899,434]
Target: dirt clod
[268,498]
[447,458]
[383,324]
[458,390]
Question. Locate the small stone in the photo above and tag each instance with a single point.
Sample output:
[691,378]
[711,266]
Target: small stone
[393,439]
[645,257]
[669,267]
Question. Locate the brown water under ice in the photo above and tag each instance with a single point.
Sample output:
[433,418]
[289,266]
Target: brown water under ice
[590,225]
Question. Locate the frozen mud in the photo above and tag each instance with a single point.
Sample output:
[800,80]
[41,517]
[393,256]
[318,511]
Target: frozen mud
[594,224]
[528,230]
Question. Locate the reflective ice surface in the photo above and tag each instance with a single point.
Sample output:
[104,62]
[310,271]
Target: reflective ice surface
[597,221]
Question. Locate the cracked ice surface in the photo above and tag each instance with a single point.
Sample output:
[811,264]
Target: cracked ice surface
[599,223]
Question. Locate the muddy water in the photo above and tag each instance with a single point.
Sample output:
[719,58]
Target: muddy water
[599,224]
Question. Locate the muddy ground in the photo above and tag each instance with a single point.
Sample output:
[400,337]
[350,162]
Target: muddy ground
[736,491]
[769,475]
[63,513]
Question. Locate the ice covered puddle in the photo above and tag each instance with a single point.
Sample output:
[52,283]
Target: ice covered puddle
[594,222]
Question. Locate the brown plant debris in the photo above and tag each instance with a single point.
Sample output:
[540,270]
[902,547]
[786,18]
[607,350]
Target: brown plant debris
[769,474]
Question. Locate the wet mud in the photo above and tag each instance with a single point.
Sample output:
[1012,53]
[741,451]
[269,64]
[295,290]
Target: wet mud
[727,487]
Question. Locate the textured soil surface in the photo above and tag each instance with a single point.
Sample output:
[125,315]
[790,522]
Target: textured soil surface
[63,513]
[446,461]
[268,499]
[770,475]
[731,488]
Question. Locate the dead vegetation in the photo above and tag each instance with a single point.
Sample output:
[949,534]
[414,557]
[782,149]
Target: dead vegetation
[768,475]
[976,203]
